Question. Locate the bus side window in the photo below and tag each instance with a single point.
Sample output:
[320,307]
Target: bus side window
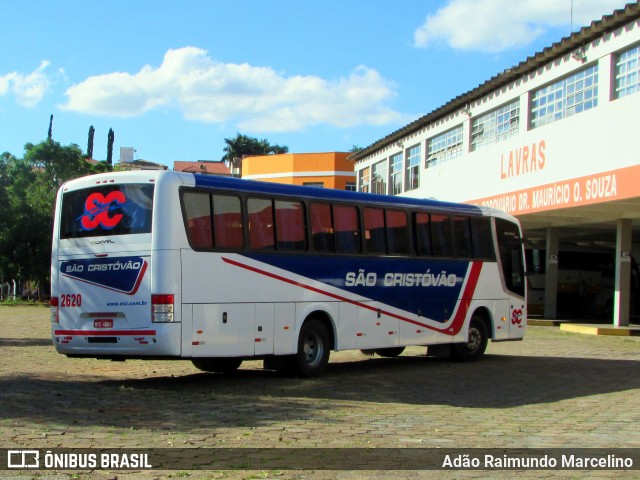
[261,231]
[290,226]
[397,232]
[347,228]
[462,236]
[374,236]
[227,222]
[423,234]
[197,211]
[441,236]
[321,228]
[482,239]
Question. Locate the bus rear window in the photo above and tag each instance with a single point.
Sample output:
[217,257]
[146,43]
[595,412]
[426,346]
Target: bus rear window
[107,210]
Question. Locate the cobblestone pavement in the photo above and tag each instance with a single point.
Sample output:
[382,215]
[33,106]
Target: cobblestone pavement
[554,389]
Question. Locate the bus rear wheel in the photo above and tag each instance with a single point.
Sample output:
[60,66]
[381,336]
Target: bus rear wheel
[313,352]
[226,366]
[476,343]
[389,352]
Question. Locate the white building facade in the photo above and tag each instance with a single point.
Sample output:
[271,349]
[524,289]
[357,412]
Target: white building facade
[554,141]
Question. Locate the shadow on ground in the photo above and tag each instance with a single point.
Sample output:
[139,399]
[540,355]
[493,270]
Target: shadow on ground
[25,342]
[255,397]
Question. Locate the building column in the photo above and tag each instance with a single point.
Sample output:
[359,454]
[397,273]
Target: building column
[551,275]
[622,294]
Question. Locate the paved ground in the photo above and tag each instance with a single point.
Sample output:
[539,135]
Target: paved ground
[555,389]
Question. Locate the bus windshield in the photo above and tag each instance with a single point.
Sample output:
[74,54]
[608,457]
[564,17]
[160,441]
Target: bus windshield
[107,210]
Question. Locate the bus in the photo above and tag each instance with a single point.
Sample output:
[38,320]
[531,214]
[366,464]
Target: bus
[217,270]
[585,281]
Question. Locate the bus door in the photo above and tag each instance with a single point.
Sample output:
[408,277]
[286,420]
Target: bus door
[513,274]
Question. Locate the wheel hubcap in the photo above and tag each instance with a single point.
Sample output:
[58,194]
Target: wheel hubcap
[474,340]
[312,350]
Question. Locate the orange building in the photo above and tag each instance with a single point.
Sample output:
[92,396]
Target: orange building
[329,170]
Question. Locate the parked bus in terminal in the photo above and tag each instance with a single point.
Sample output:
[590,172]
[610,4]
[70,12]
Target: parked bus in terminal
[586,284]
[217,270]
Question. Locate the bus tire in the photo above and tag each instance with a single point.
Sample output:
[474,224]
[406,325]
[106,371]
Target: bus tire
[313,352]
[389,352]
[226,366]
[476,343]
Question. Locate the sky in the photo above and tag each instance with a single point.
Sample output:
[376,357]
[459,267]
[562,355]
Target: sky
[173,78]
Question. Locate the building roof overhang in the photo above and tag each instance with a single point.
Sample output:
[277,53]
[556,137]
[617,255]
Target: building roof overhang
[557,50]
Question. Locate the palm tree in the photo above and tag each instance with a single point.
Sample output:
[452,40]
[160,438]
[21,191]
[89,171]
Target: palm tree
[244,146]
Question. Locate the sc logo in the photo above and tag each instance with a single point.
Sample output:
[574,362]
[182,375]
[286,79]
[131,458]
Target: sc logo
[516,317]
[97,208]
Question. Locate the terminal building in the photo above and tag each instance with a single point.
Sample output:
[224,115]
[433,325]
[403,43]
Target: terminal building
[555,142]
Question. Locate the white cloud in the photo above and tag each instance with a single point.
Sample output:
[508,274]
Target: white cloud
[28,89]
[256,98]
[497,25]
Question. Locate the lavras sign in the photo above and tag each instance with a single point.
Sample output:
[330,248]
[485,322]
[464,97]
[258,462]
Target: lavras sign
[523,160]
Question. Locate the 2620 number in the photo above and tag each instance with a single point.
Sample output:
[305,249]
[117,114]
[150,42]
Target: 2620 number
[71,300]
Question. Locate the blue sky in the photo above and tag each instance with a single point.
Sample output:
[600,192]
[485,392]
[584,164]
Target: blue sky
[175,78]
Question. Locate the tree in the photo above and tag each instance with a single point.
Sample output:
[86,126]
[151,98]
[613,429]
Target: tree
[50,132]
[92,131]
[28,189]
[244,146]
[19,224]
[110,138]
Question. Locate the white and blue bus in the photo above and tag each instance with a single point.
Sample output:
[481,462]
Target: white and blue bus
[168,265]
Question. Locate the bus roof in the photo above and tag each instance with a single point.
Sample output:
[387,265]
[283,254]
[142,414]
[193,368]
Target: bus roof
[330,194]
[296,191]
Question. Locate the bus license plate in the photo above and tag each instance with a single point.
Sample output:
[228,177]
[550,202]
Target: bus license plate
[103,323]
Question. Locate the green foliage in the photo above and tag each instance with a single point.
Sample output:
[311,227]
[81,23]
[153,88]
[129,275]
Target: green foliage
[19,302]
[244,146]
[28,189]
[110,138]
[92,132]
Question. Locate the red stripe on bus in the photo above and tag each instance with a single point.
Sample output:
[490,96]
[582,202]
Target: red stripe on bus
[463,305]
[104,333]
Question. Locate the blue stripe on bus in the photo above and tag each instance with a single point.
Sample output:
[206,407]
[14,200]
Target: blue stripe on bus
[425,287]
[328,194]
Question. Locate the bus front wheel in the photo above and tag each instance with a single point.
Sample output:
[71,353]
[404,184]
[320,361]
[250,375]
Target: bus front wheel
[476,343]
[226,366]
[313,350]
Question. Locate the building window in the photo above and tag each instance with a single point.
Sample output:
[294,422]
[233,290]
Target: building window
[379,178]
[313,184]
[627,72]
[566,97]
[364,180]
[351,187]
[495,126]
[444,147]
[412,181]
[395,176]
